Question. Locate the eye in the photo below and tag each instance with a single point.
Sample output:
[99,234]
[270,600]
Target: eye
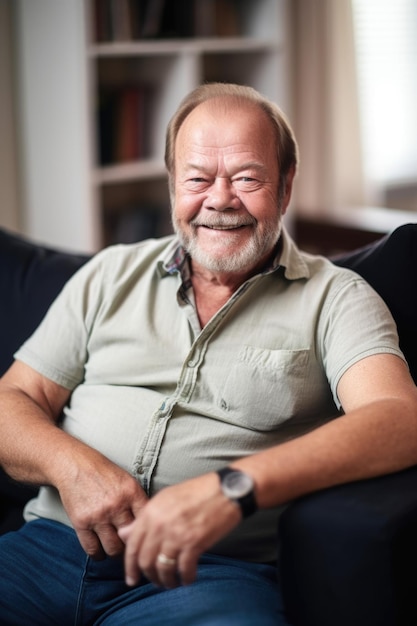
[196,183]
[246,183]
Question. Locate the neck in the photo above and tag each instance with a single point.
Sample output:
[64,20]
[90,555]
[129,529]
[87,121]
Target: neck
[231,280]
[223,280]
[213,289]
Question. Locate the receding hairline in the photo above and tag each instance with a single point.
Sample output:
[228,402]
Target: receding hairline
[223,105]
[227,102]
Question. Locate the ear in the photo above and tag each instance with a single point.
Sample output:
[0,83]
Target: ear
[288,190]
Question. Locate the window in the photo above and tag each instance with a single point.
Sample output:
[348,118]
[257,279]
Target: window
[386,51]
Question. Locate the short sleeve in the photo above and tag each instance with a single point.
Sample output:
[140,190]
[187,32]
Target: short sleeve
[355,323]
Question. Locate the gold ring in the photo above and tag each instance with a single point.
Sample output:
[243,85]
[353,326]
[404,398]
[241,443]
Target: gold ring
[163,559]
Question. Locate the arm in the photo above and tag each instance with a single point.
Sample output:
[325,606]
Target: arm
[377,434]
[106,496]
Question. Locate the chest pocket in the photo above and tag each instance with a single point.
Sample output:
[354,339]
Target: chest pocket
[265,388]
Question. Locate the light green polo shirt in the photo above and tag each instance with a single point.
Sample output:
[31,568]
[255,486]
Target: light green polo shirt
[167,400]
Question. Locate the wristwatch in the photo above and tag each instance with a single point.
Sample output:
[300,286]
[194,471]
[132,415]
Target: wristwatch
[240,488]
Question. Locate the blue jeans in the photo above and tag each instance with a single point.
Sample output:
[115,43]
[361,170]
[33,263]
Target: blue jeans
[47,579]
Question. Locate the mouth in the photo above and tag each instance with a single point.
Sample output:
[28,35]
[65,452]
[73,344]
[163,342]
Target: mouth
[223,227]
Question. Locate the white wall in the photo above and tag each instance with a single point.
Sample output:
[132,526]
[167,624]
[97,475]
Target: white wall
[53,112]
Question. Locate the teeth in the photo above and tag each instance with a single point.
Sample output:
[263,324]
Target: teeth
[225,227]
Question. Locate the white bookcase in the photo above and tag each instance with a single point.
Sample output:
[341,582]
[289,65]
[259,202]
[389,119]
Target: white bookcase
[81,191]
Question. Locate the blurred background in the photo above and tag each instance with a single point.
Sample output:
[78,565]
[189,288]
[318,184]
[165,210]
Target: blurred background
[88,86]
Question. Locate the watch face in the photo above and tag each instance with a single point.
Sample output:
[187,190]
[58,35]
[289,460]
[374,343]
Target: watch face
[237,485]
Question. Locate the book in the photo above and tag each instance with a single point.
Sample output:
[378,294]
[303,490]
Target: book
[121,124]
[128,125]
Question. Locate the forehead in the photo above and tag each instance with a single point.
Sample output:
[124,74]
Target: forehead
[226,124]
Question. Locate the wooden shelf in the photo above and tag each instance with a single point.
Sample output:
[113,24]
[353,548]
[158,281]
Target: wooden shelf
[127,172]
[181,46]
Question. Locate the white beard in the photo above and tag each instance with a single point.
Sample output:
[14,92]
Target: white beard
[247,256]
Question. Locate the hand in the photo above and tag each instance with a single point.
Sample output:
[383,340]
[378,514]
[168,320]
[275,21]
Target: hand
[99,500]
[180,522]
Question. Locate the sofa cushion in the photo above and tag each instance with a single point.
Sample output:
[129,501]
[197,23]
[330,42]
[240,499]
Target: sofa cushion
[390,266]
[31,276]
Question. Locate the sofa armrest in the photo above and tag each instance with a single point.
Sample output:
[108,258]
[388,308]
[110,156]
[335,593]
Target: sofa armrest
[348,554]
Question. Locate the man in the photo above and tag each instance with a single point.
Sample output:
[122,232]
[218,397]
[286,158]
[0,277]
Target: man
[176,362]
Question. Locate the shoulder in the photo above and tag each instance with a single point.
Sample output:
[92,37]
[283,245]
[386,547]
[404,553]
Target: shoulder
[122,255]
[315,272]
[121,261]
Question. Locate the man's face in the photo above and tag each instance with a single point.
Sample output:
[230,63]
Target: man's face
[226,208]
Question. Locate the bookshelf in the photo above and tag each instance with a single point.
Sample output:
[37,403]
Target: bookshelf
[136,60]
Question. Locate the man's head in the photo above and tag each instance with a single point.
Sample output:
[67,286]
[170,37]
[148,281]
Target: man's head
[286,145]
[231,158]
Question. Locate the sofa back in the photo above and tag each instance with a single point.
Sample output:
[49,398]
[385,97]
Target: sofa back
[390,266]
[31,276]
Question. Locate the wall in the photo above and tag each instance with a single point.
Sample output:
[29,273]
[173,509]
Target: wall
[9,173]
[52,91]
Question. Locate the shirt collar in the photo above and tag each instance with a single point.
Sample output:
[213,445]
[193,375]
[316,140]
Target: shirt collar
[174,259]
[291,259]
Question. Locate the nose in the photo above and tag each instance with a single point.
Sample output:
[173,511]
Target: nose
[221,196]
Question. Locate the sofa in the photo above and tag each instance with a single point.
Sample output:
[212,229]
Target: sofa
[347,553]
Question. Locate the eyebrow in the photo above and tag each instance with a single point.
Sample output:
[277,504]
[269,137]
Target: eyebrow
[244,166]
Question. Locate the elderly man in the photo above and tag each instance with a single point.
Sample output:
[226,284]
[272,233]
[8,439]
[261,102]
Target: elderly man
[180,391]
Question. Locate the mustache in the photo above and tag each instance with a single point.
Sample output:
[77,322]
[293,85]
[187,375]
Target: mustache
[224,221]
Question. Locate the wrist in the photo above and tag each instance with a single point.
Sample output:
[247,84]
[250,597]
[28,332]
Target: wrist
[239,487]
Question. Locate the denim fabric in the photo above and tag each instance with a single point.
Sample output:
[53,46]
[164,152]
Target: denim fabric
[47,580]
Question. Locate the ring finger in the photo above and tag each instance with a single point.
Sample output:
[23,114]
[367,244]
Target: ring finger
[167,569]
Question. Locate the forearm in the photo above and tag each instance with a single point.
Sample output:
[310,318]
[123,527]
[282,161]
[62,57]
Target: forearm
[33,449]
[377,439]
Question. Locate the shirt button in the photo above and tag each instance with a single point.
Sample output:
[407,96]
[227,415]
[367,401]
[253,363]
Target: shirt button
[191,363]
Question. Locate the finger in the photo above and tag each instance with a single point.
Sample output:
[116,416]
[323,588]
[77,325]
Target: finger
[124,532]
[131,559]
[91,544]
[132,571]
[122,519]
[147,564]
[187,566]
[167,570]
[109,539]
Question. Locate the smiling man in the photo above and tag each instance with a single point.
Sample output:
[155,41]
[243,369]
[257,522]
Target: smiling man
[181,391]
[229,194]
